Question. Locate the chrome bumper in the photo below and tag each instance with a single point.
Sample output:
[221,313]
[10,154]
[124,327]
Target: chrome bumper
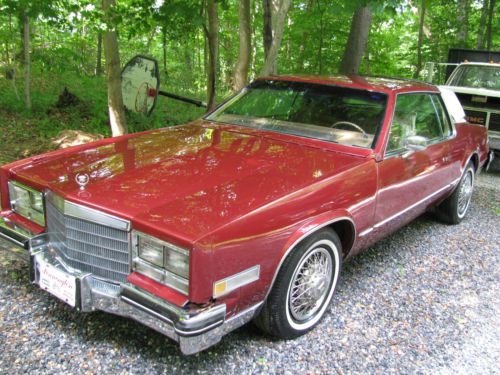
[489,160]
[13,233]
[194,329]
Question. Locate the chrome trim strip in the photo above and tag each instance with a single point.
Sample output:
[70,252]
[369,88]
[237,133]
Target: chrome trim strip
[16,234]
[380,223]
[13,240]
[86,213]
[365,232]
[292,246]
[146,309]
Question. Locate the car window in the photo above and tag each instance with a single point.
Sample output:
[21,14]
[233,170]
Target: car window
[479,76]
[416,116]
[327,112]
[443,118]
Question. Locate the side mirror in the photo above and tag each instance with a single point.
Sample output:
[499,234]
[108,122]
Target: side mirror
[415,143]
[140,84]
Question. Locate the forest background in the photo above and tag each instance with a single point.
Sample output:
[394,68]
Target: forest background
[206,49]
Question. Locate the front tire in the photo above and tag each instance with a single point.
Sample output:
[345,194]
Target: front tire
[454,208]
[304,287]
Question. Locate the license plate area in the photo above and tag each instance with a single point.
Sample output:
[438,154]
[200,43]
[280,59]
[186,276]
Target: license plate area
[57,283]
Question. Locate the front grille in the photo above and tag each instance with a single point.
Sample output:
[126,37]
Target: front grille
[494,122]
[476,117]
[89,247]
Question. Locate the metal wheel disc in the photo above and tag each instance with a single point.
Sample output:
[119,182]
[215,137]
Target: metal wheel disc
[465,193]
[310,284]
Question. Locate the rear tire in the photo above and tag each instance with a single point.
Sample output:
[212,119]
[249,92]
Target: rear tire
[303,288]
[454,208]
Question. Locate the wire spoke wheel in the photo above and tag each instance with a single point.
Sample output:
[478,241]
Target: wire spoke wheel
[465,193]
[310,284]
[304,286]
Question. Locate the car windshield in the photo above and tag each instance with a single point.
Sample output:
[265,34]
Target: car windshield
[480,76]
[331,113]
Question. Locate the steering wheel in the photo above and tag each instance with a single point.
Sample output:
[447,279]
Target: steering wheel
[351,124]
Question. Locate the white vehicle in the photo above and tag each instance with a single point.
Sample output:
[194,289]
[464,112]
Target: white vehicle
[477,86]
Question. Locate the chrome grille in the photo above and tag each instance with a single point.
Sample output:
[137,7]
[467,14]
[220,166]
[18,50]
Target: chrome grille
[476,117]
[89,247]
[494,124]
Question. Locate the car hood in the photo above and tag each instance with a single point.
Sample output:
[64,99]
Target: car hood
[186,181]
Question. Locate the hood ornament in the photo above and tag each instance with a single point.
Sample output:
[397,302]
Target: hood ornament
[82,179]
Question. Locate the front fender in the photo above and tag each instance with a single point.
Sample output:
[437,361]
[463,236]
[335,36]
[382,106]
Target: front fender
[311,226]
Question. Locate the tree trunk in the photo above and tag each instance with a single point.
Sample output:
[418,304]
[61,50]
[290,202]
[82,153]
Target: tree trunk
[112,55]
[14,68]
[213,51]
[463,23]
[21,54]
[482,25]
[356,43]
[255,11]
[303,41]
[164,47]
[488,29]
[420,38]
[200,67]
[98,65]
[241,71]
[27,62]
[321,38]
[267,32]
[269,67]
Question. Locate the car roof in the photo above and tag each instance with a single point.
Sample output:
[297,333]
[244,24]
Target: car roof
[382,84]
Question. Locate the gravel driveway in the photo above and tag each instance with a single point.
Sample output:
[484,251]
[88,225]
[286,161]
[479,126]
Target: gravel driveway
[425,300]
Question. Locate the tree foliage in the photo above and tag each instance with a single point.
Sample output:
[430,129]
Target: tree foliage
[65,37]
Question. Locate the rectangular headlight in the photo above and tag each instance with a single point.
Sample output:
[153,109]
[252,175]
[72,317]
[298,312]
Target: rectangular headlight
[161,261]
[27,202]
[150,250]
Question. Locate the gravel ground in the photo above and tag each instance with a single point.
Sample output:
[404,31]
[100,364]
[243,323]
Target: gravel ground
[425,300]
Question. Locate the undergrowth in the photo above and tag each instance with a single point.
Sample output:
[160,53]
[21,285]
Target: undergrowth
[24,133]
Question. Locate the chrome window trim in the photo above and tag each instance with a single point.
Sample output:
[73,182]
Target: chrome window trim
[86,213]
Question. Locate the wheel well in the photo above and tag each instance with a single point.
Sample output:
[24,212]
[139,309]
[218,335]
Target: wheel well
[475,160]
[346,232]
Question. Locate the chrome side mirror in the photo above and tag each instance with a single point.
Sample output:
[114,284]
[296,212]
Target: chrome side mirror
[140,84]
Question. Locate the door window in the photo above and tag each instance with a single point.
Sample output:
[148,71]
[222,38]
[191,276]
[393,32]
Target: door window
[416,119]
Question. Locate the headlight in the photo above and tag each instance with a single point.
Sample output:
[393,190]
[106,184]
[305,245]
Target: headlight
[150,250]
[161,261]
[27,202]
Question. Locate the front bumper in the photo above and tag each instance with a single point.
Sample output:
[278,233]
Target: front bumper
[14,233]
[494,142]
[195,329]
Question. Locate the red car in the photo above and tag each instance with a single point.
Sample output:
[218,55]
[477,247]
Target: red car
[245,214]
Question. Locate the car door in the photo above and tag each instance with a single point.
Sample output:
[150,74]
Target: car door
[415,168]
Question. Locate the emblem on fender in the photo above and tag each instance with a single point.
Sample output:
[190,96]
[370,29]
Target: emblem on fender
[82,179]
